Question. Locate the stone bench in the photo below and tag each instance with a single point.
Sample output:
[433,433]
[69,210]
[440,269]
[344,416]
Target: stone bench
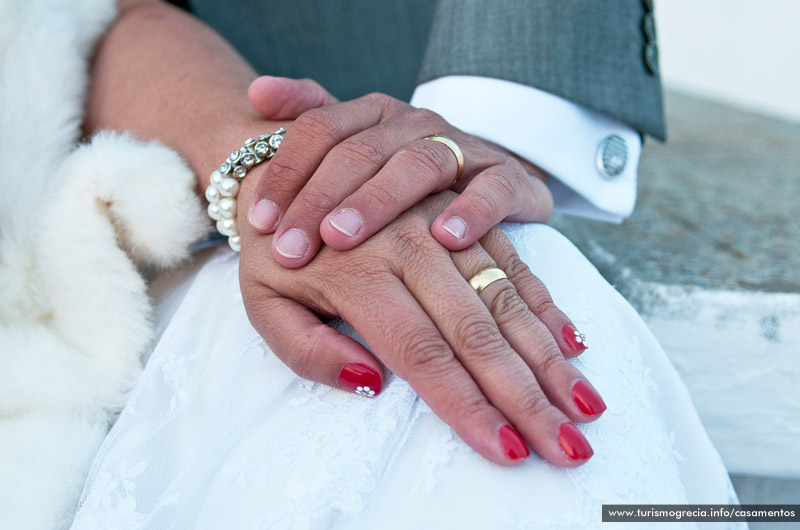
[710,259]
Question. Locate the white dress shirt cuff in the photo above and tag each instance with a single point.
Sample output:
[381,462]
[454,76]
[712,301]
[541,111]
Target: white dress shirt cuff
[561,137]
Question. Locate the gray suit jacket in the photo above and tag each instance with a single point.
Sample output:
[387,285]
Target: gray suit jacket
[598,53]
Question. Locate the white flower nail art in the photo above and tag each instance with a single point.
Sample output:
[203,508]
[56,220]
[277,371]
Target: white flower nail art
[365,391]
[580,338]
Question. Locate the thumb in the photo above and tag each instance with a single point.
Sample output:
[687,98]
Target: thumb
[310,348]
[283,98]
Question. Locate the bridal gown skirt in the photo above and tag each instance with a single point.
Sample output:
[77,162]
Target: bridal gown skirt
[219,434]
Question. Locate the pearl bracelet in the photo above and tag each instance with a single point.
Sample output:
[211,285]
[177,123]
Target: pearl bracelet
[221,193]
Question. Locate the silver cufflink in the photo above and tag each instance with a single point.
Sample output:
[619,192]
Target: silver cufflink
[612,156]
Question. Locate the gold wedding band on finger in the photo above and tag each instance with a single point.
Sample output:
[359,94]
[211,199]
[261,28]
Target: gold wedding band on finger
[486,277]
[453,147]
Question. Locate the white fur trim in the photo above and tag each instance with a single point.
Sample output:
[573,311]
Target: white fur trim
[45,458]
[77,224]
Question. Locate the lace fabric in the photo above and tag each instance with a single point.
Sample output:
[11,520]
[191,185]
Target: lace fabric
[220,434]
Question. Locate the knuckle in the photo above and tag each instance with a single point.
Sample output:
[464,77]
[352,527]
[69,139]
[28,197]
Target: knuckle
[515,167]
[381,100]
[540,301]
[428,158]
[366,150]
[423,116]
[427,352]
[317,201]
[504,184]
[360,276]
[551,363]
[284,173]
[534,402]
[515,268]
[481,338]
[472,407]
[320,124]
[483,206]
[508,306]
[377,97]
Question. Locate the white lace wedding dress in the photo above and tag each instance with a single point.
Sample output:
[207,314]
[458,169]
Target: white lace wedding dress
[220,434]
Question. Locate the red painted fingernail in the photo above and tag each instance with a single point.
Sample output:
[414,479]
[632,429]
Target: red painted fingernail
[587,398]
[574,339]
[513,445]
[573,443]
[361,379]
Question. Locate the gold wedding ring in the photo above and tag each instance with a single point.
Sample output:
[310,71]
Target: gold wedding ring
[453,147]
[486,277]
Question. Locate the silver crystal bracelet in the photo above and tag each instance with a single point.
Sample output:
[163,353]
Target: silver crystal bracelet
[221,193]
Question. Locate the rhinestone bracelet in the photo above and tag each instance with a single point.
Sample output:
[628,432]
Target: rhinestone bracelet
[224,187]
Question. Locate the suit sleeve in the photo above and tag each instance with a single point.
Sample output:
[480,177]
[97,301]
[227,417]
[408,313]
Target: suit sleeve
[601,55]
[571,85]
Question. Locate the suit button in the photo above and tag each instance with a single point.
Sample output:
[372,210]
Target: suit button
[612,156]
[651,57]
[649,27]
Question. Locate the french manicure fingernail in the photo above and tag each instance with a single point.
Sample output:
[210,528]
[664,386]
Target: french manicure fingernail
[347,221]
[587,398]
[293,243]
[456,226]
[512,443]
[360,379]
[573,443]
[574,339]
[263,214]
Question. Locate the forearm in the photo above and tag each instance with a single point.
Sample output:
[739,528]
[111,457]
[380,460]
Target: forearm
[161,74]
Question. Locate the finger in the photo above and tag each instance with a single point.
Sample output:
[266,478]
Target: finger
[419,168]
[563,384]
[505,192]
[283,98]
[402,335]
[502,374]
[347,166]
[304,146]
[310,348]
[570,341]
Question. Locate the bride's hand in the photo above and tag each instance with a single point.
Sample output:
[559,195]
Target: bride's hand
[346,170]
[486,364]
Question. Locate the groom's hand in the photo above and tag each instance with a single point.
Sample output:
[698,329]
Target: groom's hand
[346,170]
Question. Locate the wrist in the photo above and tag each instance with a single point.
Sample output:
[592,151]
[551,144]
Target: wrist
[532,169]
[206,156]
